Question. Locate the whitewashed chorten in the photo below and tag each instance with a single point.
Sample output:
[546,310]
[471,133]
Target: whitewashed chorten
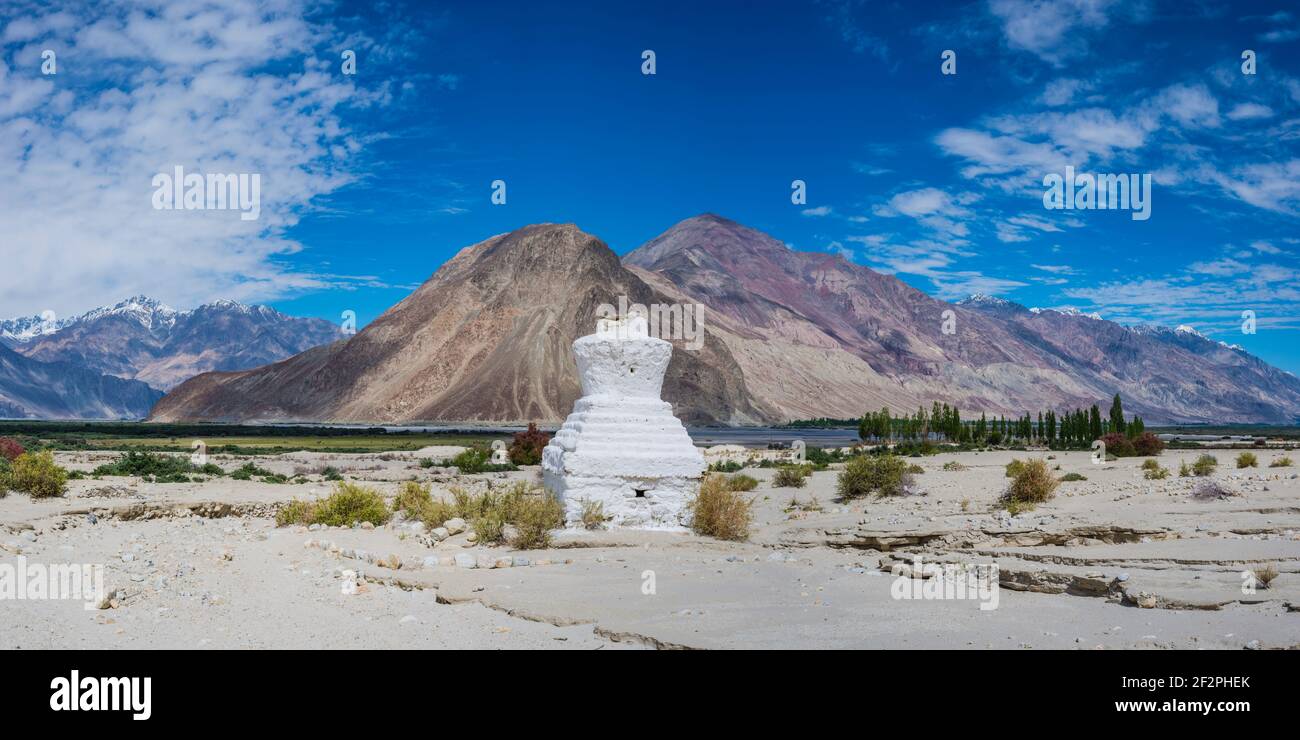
[622,446]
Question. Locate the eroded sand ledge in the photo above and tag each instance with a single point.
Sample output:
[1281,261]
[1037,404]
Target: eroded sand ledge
[1114,561]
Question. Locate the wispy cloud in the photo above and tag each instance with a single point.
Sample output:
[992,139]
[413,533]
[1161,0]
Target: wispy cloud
[187,84]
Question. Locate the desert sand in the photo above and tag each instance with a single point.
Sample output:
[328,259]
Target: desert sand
[1114,561]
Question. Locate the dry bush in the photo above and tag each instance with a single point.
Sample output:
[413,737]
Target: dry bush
[717,511]
[1281,462]
[1014,467]
[1247,460]
[593,514]
[1033,484]
[1264,574]
[954,465]
[1208,490]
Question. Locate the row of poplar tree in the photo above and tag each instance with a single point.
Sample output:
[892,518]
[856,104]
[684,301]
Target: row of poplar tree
[1077,428]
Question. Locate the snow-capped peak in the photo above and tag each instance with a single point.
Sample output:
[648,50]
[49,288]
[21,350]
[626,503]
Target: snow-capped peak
[1069,311]
[149,312]
[982,299]
[1185,329]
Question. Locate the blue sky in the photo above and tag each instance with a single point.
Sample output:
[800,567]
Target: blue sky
[372,180]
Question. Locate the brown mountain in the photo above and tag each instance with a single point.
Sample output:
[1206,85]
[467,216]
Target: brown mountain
[789,335]
[817,335]
[488,337]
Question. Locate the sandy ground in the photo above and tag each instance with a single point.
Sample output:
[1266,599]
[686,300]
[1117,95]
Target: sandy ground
[1115,561]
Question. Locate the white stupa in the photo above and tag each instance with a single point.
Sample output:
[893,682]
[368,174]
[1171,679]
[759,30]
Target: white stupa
[622,446]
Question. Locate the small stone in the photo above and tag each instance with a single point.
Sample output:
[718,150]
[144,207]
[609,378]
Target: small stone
[465,560]
[128,557]
[1252,645]
[503,562]
[520,561]
[367,525]
[454,526]
[430,561]
[439,534]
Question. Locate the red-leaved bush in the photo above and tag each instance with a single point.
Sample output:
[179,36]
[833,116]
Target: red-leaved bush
[1118,445]
[1148,444]
[526,447]
[10,449]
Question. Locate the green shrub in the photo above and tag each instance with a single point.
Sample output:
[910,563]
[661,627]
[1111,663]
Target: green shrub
[534,516]
[331,473]
[350,504]
[1205,465]
[476,460]
[915,469]
[35,474]
[1247,460]
[490,526]
[741,482]
[954,465]
[295,512]
[1014,467]
[413,500]
[1069,477]
[1032,485]
[884,475]
[1281,462]
[1151,470]
[526,447]
[820,458]
[248,470]
[161,468]
[427,462]
[718,511]
[1184,470]
[729,466]
[788,476]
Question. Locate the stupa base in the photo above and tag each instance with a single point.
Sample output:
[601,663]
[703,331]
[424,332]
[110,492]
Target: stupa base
[630,502]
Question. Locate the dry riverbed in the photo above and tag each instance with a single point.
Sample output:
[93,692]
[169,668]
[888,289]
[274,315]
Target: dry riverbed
[1114,561]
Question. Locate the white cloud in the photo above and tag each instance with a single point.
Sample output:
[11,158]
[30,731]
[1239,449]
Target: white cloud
[1249,111]
[183,84]
[818,211]
[1054,31]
